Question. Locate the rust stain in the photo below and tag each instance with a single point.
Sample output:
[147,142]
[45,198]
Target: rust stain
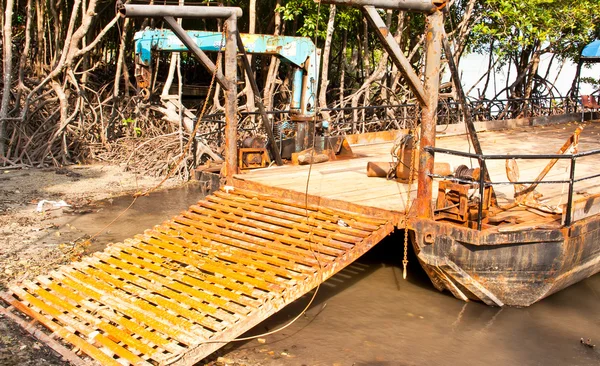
[210,273]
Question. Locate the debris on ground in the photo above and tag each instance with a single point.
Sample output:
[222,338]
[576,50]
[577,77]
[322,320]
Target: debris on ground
[34,239]
[587,343]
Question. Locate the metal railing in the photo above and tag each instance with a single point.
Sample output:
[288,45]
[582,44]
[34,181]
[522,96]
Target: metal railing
[482,184]
[350,120]
[503,109]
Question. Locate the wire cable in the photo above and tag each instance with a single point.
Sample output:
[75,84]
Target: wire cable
[310,241]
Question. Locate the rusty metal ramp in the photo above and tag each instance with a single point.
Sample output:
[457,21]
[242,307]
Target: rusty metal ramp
[187,287]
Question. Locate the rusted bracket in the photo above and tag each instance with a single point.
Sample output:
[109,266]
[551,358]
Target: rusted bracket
[261,107]
[393,49]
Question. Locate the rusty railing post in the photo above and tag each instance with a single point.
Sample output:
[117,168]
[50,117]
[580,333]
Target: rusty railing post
[482,179]
[569,208]
[230,166]
[433,44]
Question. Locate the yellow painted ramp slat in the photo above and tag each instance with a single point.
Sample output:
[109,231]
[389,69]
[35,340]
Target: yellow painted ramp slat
[185,288]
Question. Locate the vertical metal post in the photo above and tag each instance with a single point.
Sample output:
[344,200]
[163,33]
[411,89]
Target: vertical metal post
[433,43]
[230,167]
[569,214]
[482,175]
[259,102]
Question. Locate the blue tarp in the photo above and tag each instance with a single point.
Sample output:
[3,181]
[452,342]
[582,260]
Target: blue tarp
[592,51]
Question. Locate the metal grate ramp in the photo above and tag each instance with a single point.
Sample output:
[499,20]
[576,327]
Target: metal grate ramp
[207,275]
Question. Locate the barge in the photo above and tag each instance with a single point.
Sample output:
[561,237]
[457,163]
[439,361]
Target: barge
[522,252]
[187,287]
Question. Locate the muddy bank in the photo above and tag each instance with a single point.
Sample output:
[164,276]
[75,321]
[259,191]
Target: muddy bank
[36,232]
[34,242]
[18,348]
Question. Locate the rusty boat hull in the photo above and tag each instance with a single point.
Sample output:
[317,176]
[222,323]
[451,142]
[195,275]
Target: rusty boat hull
[507,268]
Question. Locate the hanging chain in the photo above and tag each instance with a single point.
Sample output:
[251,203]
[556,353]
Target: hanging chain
[407,208]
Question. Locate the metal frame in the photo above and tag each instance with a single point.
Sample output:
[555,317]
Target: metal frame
[427,93]
[482,183]
[228,81]
[420,6]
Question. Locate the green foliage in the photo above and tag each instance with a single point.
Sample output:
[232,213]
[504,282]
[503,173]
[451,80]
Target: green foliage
[595,83]
[559,26]
[130,123]
[311,17]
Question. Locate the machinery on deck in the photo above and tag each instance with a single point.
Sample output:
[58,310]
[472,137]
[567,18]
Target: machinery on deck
[299,52]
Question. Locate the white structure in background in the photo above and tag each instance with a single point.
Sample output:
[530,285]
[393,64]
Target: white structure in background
[473,66]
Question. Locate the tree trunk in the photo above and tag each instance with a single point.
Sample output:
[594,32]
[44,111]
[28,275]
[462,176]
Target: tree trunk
[24,55]
[171,73]
[7,66]
[274,65]
[395,72]
[247,91]
[41,47]
[535,63]
[463,30]
[343,70]
[325,61]
[117,83]
[365,59]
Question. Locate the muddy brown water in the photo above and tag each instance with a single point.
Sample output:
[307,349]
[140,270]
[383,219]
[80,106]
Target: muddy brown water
[368,315]
[146,212]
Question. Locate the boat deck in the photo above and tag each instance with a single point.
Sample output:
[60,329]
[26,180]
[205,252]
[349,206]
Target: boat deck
[187,287]
[346,180]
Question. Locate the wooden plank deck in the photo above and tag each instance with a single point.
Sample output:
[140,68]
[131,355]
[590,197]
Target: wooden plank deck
[346,180]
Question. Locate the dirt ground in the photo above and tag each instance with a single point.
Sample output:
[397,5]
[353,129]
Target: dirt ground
[32,241]
[35,237]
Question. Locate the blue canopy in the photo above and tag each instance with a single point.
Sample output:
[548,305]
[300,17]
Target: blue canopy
[591,52]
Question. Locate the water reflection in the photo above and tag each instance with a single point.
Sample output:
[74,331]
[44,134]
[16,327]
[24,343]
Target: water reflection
[144,214]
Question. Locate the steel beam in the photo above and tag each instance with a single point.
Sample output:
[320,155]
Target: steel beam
[231,102]
[192,46]
[421,6]
[433,46]
[466,115]
[176,11]
[261,107]
[393,49]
